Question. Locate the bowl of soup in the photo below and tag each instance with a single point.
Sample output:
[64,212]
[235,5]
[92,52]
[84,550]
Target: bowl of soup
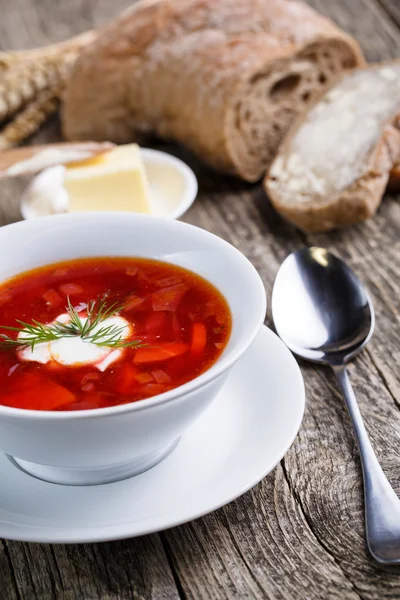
[117,331]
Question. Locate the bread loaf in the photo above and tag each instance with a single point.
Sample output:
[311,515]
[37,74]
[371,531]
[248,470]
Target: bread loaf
[224,78]
[333,167]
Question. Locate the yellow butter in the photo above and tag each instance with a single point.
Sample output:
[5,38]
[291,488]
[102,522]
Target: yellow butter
[115,180]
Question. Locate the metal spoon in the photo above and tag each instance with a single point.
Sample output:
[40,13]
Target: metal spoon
[324,314]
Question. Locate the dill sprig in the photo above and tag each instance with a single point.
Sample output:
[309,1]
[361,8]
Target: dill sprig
[88,329]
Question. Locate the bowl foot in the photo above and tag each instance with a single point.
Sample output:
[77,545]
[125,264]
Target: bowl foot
[96,475]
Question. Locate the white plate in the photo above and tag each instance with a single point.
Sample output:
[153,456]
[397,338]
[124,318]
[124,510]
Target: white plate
[238,441]
[173,185]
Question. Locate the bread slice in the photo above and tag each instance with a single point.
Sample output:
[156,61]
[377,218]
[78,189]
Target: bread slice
[224,78]
[333,167]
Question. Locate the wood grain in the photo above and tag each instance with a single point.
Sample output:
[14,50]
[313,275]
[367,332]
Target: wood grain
[393,9]
[368,21]
[300,533]
[132,569]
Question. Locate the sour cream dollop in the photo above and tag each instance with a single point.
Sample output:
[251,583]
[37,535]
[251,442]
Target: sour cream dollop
[46,194]
[75,351]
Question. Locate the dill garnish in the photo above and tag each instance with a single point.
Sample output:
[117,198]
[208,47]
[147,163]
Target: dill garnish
[88,328]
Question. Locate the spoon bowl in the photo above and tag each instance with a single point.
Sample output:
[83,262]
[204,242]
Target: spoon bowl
[332,317]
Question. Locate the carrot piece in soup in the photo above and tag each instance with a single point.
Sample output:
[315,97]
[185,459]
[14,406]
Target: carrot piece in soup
[198,341]
[37,393]
[163,351]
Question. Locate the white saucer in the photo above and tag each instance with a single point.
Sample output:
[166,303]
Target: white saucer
[238,441]
[173,185]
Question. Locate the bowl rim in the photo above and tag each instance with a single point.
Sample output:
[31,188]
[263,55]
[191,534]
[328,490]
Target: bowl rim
[224,362]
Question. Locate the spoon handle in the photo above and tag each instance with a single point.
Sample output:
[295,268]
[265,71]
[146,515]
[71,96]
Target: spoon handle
[382,506]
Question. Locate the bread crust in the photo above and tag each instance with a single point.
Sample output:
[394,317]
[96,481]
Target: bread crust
[181,68]
[394,179]
[355,203]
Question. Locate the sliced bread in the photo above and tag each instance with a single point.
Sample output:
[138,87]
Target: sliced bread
[334,164]
[224,78]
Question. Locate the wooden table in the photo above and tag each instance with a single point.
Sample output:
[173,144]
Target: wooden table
[299,534]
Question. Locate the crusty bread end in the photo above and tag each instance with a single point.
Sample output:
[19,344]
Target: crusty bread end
[334,164]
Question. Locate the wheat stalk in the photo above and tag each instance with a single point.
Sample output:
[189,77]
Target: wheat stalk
[31,82]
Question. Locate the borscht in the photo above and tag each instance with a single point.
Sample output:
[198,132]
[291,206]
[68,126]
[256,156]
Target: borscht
[99,332]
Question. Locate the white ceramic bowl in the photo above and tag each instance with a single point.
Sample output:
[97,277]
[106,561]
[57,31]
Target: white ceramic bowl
[98,446]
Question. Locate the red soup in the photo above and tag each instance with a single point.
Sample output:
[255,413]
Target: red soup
[99,332]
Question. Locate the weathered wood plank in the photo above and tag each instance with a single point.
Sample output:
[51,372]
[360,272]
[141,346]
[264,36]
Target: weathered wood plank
[258,547]
[368,22]
[129,569]
[393,9]
[31,23]
[7,574]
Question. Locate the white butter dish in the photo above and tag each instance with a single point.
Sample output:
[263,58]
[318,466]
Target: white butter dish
[173,188]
